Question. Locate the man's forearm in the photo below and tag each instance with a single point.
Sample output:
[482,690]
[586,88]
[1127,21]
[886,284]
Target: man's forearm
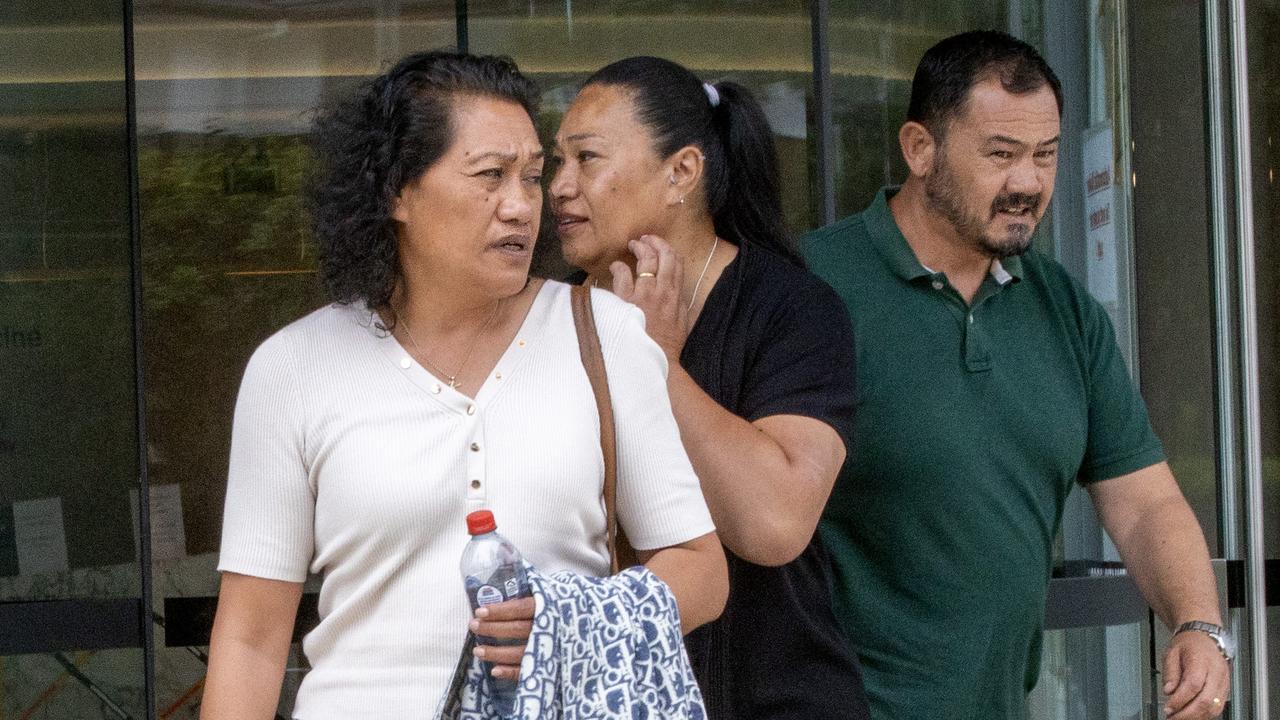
[1170,563]
[1161,543]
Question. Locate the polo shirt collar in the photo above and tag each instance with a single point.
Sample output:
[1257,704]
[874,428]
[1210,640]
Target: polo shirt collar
[1007,270]
[889,240]
[892,245]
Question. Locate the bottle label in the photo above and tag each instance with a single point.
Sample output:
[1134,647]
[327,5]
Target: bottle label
[488,595]
[513,587]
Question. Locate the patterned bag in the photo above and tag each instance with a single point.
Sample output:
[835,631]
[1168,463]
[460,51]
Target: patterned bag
[601,648]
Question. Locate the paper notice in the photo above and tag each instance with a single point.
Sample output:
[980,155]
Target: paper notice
[168,534]
[40,536]
[1099,204]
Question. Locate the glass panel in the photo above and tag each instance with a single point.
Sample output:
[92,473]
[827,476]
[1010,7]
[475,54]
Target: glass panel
[225,95]
[762,45]
[1173,250]
[1072,687]
[1263,20]
[68,440]
[84,684]
[874,50]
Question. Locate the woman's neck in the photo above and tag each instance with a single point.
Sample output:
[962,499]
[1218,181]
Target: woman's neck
[703,255]
[435,309]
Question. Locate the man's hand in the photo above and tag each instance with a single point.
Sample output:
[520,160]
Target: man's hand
[1197,677]
[510,620]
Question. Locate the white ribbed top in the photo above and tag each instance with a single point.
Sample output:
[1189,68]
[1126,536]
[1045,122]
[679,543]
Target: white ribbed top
[350,460]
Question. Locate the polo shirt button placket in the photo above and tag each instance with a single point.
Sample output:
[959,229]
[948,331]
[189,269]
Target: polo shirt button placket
[477,487]
[976,355]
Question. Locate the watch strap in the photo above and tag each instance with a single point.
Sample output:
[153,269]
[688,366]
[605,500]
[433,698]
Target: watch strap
[1216,632]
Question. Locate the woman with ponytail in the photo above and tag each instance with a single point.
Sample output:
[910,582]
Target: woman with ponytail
[666,191]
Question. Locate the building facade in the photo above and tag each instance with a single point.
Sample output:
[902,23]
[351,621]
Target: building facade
[152,233]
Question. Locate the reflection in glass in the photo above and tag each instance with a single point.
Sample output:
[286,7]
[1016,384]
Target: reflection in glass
[1173,253]
[874,51]
[226,92]
[68,452]
[1263,21]
[68,440]
[1069,681]
[762,45]
[73,684]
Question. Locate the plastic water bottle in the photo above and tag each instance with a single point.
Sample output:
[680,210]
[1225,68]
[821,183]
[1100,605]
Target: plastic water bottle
[493,572]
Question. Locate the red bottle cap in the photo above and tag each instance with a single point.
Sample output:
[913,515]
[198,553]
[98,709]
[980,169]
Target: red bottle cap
[481,522]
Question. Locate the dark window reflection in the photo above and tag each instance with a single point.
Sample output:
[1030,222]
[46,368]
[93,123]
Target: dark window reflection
[874,50]
[68,445]
[68,439]
[1264,98]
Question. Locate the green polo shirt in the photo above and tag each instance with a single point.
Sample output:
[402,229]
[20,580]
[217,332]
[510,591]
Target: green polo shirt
[973,422]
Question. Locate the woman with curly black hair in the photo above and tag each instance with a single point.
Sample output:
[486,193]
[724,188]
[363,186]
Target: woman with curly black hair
[441,380]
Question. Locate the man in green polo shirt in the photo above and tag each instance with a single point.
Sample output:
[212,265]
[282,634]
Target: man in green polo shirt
[989,383]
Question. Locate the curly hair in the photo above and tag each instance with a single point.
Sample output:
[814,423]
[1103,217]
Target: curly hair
[370,146]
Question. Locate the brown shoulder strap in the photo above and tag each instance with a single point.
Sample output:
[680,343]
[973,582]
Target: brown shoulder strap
[593,361]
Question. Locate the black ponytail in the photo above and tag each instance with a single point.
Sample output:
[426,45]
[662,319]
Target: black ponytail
[751,208]
[741,167]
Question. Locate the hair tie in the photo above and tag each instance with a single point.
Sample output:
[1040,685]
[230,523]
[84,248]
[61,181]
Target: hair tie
[713,95]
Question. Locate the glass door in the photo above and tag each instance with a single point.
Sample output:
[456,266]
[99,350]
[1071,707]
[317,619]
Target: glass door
[72,621]
[1262,20]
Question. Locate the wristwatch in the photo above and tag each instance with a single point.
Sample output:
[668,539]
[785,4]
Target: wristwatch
[1221,636]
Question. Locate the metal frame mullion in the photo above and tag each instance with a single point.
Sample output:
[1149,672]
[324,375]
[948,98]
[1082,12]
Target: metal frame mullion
[1250,401]
[820,25]
[1229,542]
[460,25]
[145,622]
[1223,278]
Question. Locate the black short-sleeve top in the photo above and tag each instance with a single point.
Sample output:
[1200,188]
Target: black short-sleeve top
[774,339]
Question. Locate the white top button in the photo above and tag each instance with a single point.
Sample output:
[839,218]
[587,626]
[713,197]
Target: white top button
[971,318]
[471,409]
[405,362]
[937,284]
[436,388]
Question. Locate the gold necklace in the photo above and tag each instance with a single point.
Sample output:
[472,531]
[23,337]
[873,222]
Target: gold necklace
[694,298]
[452,380]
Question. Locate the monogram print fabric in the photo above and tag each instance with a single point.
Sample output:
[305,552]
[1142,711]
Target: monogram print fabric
[601,648]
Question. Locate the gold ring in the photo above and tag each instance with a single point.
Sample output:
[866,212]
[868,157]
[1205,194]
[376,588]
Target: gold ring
[1217,701]
[646,274]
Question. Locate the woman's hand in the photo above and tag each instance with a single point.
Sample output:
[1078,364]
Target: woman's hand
[510,620]
[656,289]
